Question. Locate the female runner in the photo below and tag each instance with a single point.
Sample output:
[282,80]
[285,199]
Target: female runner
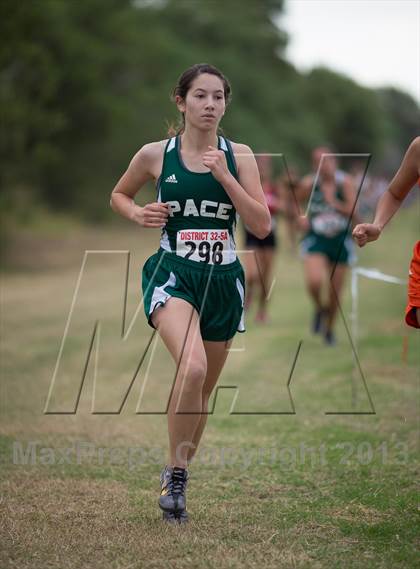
[193,286]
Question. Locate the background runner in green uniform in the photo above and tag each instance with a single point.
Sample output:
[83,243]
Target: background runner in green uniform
[327,247]
[194,285]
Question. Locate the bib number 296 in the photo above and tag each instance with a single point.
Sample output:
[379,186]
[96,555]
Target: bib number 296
[203,245]
[206,251]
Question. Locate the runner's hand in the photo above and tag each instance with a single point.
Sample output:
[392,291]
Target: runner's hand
[151,215]
[366,232]
[303,223]
[215,160]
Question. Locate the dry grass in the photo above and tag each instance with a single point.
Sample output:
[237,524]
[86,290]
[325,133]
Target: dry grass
[265,515]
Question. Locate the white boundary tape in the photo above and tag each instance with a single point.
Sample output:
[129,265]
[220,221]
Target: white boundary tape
[375,274]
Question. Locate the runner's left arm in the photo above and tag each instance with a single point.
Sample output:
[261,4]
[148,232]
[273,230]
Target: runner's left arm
[247,195]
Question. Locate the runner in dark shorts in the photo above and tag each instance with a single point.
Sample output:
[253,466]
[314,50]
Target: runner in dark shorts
[193,286]
[259,260]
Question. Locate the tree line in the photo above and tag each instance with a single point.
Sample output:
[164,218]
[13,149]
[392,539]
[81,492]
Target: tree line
[85,83]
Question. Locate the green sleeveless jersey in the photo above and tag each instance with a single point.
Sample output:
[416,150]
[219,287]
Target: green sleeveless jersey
[202,218]
[324,219]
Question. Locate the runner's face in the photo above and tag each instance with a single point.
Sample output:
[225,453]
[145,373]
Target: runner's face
[204,104]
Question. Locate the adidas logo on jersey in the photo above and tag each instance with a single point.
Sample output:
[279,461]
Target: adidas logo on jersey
[172,179]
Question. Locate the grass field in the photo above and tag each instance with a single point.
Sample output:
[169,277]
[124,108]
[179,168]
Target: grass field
[303,481]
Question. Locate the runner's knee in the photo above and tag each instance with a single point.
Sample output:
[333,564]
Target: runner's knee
[192,374]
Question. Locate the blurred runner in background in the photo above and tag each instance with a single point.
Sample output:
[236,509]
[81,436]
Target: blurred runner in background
[288,184]
[327,249]
[259,262]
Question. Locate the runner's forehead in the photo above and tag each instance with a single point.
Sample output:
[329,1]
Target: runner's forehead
[323,156]
[207,82]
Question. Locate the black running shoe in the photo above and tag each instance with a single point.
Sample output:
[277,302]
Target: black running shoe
[329,338]
[175,519]
[317,321]
[173,483]
[170,518]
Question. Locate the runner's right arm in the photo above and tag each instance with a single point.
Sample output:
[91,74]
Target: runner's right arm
[137,174]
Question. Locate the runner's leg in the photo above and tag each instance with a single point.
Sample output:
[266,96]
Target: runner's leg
[216,353]
[251,275]
[267,262]
[179,327]
[315,268]
[335,290]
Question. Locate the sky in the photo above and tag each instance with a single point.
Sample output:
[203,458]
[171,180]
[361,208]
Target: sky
[375,42]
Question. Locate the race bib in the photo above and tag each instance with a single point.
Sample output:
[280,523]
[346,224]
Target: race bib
[329,224]
[204,245]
